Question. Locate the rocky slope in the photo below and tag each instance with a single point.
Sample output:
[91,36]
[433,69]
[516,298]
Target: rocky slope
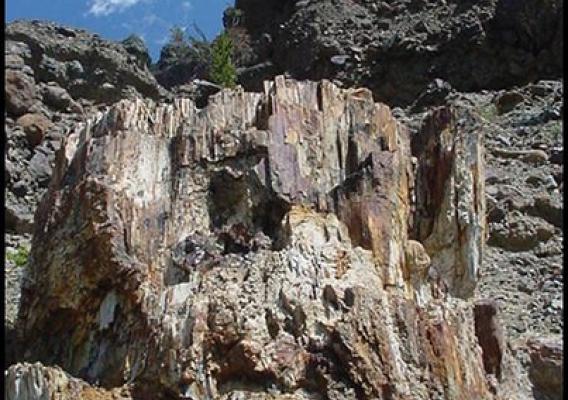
[397,47]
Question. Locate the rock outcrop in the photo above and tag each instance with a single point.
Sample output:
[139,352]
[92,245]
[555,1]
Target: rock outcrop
[450,201]
[546,370]
[261,247]
[397,48]
[83,64]
[55,77]
[35,381]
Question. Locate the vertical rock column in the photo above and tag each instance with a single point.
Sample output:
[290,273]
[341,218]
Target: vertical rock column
[450,196]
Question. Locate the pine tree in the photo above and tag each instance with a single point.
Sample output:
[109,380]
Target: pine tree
[177,35]
[223,72]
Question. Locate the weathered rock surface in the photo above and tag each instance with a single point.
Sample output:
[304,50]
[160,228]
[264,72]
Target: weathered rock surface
[261,247]
[450,205]
[35,381]
[546,370]
[522,263]
[80,62]
[55,77]
[398,48]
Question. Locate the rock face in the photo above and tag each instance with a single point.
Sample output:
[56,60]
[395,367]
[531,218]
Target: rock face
[82,63]
[262,247]
[35,381]
[397,48]
[522,262]
[56,76]
[546,370]
[450,205]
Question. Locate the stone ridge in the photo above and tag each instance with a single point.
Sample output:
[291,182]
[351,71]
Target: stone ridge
[261,246]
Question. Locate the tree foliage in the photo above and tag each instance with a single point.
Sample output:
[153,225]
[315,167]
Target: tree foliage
[177,35]
[19,257]
[222,71]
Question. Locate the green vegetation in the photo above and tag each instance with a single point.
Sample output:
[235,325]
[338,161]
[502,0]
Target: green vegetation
[177,35]
[19,257]
[208,60]
[222,71]
[554,130]
[488,112]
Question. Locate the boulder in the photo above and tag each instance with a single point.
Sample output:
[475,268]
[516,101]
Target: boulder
[20,92]
[56,97]
[508,101]
[35,126]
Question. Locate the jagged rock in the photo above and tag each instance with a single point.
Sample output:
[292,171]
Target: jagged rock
[81,62]
[325,309]
[546,370]
[35,381]
[450,201]
[40,168]
[52,70]
[135,45]
[397,48]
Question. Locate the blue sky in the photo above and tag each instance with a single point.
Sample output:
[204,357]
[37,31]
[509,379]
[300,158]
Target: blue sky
[116,19]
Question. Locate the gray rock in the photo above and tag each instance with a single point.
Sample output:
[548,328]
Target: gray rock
[57,97]
[40,168]
[548,208]
[18,217]
[135,45]
[49,69]
[63,53]
[473,46]
[507,101]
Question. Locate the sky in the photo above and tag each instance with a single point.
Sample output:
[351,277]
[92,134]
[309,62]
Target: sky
[117,19]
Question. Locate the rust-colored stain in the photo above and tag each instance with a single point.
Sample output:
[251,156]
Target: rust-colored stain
[342,264]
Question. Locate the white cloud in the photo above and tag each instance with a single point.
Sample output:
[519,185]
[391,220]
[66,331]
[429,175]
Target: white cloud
[106,7]
[186,5]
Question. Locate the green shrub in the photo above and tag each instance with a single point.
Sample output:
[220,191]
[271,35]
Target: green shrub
[554,130]
[488,112]
[19,257]
[177,35]
[222,71]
